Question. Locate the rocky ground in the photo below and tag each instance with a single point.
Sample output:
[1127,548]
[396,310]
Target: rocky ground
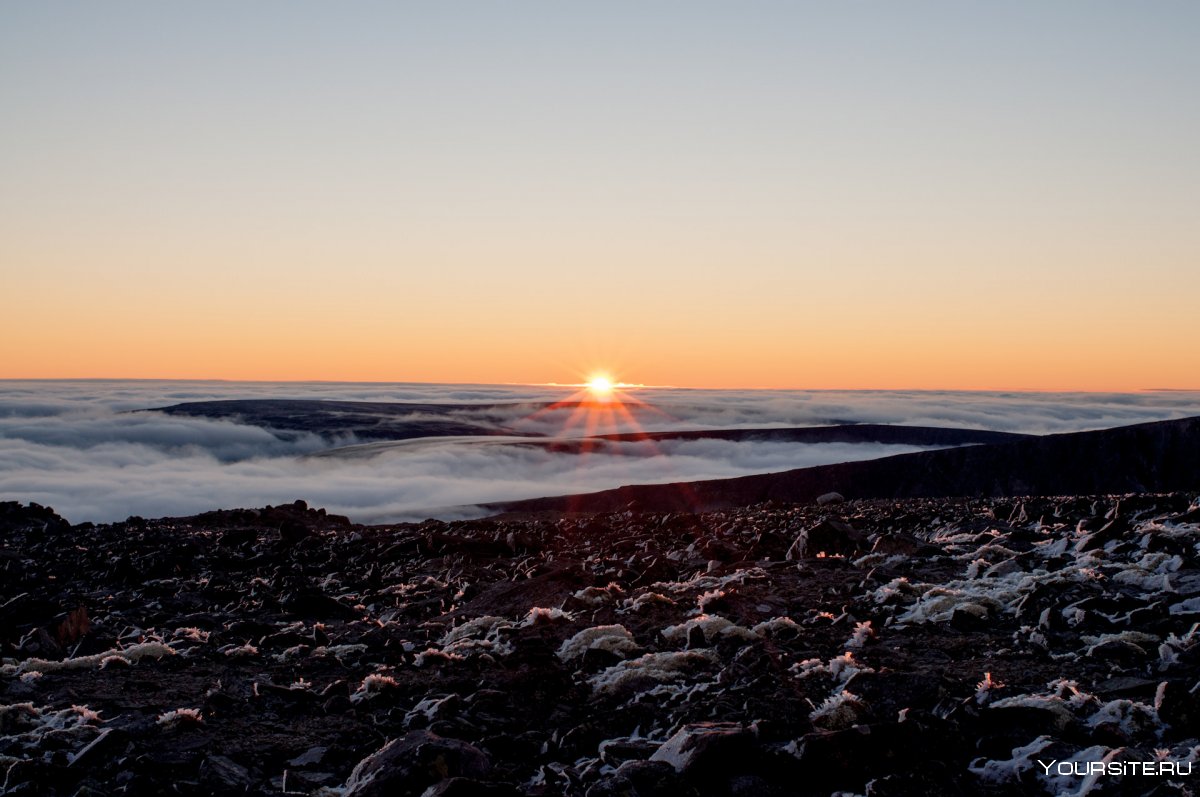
[874,647]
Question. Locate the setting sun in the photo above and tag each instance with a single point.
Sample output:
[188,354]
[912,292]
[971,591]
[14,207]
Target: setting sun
[600,386]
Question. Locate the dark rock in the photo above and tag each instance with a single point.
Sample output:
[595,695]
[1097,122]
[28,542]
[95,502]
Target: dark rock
[292,532]
[310,603]
[706,749]
[219,771]
[310,757]
[1126,686]
[1177,706]
[101,747]
[614,752]
[470,787]
[31,517]
[903,545]
[887,693]
[1007,726]
[929,778]
[962,619]
[849,758]
[639,779]
[1119,650]
[828,537]
[409,764]
[830,498]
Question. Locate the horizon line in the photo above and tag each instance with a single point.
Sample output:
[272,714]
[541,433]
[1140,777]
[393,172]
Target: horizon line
[619,385]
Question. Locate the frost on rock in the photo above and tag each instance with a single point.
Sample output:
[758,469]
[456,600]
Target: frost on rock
[652,668]
[24,728]
[486,634]
[776,626]
[599,596]
[180,717]
[611,638]
[711,625]
[475,628]
[1132,717]
[844,667]
[539,616]
[1189,606]
[240,651]
[1139,640]
[644,601]
[431,655]
[862,634]
[703,582]
[339,652]
[1012,769]
[840,711]
[372,686]
[1174,645]
[983,689]
[130,655]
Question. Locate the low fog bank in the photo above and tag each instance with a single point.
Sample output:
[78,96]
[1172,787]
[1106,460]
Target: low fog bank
[75,445]
[110,482]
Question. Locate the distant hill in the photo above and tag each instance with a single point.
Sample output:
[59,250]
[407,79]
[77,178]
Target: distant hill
[367,420]
[1150,457]
[882,434]
[377,422]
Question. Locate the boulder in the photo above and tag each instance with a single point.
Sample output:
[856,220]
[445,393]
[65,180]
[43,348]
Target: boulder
[639,779]
[413,762]
[706,749]
[230,776]
[828,537]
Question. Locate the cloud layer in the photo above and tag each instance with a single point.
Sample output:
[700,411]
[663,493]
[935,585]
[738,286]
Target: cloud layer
[75,446]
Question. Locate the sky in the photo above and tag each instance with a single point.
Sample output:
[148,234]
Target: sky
[868,195]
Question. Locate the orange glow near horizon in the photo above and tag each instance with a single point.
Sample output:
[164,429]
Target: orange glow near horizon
[509,196]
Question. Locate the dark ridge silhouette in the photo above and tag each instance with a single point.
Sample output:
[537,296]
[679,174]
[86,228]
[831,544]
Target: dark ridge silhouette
[367,420]
[1161,456]
[844,433]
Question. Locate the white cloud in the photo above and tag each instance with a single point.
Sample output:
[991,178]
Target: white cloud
[74,446]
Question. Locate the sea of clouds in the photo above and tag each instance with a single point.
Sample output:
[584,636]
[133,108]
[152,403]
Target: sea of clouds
[78,447]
